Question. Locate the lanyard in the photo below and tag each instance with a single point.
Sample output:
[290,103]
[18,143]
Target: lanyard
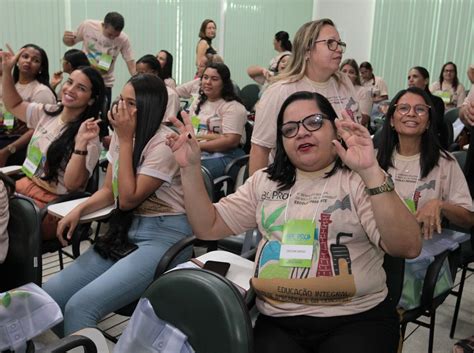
[417,178]
[317,207]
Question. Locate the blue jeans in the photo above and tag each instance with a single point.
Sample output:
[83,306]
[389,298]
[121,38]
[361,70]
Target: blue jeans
[92,287]
[217,165]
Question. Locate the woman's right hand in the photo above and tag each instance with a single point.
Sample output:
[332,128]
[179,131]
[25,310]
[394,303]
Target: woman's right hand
[9,59]
[69,224]
[184,145]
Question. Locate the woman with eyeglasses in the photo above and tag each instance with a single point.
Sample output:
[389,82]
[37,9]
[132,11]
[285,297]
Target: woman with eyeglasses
[321,207]
[426,176]
[451,91]
[317,53]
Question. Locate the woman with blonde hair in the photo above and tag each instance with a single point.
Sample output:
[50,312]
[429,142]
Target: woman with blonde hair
[317,53]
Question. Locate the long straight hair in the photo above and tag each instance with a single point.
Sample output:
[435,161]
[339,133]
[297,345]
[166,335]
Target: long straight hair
[430,147]
[167,70]
[455,79]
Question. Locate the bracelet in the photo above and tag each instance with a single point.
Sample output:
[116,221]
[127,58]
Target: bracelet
[79,152]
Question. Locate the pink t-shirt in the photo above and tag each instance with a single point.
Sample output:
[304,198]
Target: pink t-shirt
[157,161]
[189,89]
[376,86]
[47,130]
[341,97]
[95,44]
[346,274]
[365,100]
[222,117]
[173,105]
[170,82]
[456,97]
[445,182]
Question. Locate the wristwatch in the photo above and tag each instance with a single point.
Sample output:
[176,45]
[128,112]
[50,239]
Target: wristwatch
[11,149]
[387,186]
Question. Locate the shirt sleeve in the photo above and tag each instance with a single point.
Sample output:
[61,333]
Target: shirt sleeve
[126,49]
[80,32]
[383,87]
[238,210]
[185,90]
[454,185]
[34,113]
[234,117]
[43,95]
[173,105]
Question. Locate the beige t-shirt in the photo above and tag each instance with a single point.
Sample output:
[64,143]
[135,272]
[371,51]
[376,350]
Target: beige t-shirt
[170,82]
[157,161]
[95,44]
[346,274]
[457,97]
[48,129]
[31,92]
[222,117]
[173,105]
[445,182]
[365,100]
[4,217]
[377,87]
[274,61]
[189,89]
[342,97]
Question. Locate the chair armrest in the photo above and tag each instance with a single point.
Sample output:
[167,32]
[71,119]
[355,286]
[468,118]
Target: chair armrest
[171,254]
[67,343]
[63,198]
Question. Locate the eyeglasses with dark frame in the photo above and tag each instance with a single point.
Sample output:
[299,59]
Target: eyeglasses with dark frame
[419,109]
[311,123]
[333,44]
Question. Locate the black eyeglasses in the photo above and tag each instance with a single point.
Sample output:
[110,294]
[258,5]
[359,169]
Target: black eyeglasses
[419,109]
[311,123]
[333,44]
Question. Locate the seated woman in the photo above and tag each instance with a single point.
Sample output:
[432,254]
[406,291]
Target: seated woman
[282,44]
[426,176]
[72,59]
[148,64]
[166,61]
[419,77]
[31,77]
[7,187]
[143,179]
[262,75]
[64,149]
[351,69]
[448,87]
[219,117]
[326,215]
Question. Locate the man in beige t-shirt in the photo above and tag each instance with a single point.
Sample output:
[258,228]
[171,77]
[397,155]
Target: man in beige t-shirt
[102,42]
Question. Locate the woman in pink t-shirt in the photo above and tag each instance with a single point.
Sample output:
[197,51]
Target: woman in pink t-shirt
[144,182]
[64,148]
[325,229]
[448,86]
[426,176]
[166,61]
[219,117]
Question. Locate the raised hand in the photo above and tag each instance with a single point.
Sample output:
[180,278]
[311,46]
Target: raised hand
[9,58]
[184,145]
[57,78]
[88,130]
[123,120]
[359,155]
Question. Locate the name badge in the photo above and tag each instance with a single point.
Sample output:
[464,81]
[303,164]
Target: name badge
[411,205]
[297,246]
[105,61]
[32,160]
[8,120]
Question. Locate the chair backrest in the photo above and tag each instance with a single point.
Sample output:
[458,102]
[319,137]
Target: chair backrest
[248,136]
[236,88]
[461,157]
[249,96]
[451,115]
[394,270]
[206,176]
[23,262]
[238,170]
[204,306]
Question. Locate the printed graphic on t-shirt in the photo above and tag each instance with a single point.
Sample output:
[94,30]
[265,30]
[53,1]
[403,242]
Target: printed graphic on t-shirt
[329,280]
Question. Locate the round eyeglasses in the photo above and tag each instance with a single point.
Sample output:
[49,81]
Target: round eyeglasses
[419,109]
[311,123]
[333,44]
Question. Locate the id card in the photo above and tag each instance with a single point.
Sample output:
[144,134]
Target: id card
[32,160]
[297,243]
[105,61]
[411,205]
[8,120]
[115,180]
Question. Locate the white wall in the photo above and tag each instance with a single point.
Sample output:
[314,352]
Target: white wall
[354,20]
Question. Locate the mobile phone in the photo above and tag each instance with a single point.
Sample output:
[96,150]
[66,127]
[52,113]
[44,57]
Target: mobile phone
[127,249]
[218,267]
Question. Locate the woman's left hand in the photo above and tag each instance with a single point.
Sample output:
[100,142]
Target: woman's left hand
[359,155]
[88,130]
[430,217]
[123,120]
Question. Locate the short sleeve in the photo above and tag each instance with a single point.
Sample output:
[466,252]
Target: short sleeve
[234,117]
[34,113]
[238,210]
[454,185]
[80,32]
[461,94]
[126,49]
[383,87]
[43,95]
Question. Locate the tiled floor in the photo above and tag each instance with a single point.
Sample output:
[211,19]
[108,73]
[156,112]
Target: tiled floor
[416,336]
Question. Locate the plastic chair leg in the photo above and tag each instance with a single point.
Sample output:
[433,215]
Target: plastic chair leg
[458,301]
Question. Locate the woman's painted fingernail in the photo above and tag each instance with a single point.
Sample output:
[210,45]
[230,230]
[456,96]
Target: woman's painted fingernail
[189,135]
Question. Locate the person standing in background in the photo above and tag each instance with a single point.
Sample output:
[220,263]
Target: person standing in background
[204,47]
[282,44]
[102,42]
